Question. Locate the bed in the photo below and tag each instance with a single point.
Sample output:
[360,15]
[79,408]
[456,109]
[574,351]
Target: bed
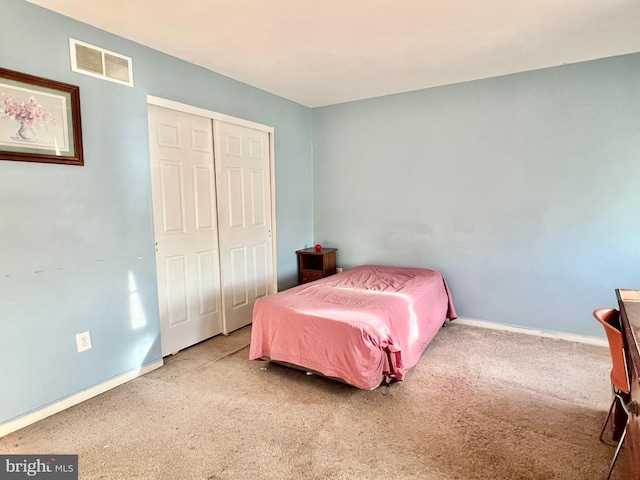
[364,326]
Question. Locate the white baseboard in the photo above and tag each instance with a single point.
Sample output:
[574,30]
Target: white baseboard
[21,422]
[569,337]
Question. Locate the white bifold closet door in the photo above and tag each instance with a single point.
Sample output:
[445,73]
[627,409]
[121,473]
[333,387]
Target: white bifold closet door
[204,290]
[244,206]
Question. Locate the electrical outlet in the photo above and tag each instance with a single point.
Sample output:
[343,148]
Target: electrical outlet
[83,341]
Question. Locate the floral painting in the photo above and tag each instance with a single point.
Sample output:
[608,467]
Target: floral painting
[33,120]
[39,120]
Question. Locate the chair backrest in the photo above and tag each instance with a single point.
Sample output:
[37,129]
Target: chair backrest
[610,320]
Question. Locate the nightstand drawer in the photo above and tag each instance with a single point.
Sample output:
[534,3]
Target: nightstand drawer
[311,275]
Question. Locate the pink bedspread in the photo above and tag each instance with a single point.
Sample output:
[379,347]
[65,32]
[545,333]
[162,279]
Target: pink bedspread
[360,325]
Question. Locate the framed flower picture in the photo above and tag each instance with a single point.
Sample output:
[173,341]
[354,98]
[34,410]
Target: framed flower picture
[39,120]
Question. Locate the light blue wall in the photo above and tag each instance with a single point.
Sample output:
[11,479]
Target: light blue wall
[524,190]
[71,238]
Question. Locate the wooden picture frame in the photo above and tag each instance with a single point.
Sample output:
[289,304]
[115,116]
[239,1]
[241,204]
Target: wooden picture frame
[39,120]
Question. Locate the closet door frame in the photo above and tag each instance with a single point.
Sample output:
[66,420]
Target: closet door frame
[182,107]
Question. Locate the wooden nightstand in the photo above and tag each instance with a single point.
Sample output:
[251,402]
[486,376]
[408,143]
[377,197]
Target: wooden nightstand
[313,265]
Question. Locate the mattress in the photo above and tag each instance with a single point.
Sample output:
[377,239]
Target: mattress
[364,325]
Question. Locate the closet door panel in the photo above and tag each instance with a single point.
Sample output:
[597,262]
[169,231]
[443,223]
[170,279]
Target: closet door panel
[244,203]
[185,227]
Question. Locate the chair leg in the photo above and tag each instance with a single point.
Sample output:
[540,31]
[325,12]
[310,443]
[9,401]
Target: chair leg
[606,422]
[615,456]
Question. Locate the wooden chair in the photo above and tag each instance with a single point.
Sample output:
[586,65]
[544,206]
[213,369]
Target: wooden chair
[620,384]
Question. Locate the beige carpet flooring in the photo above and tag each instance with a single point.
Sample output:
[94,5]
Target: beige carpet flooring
[480,404]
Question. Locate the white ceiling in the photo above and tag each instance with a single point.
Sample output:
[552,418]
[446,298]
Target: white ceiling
[321,52]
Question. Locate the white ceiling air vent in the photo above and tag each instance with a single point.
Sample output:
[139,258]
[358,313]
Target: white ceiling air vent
[101,63]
